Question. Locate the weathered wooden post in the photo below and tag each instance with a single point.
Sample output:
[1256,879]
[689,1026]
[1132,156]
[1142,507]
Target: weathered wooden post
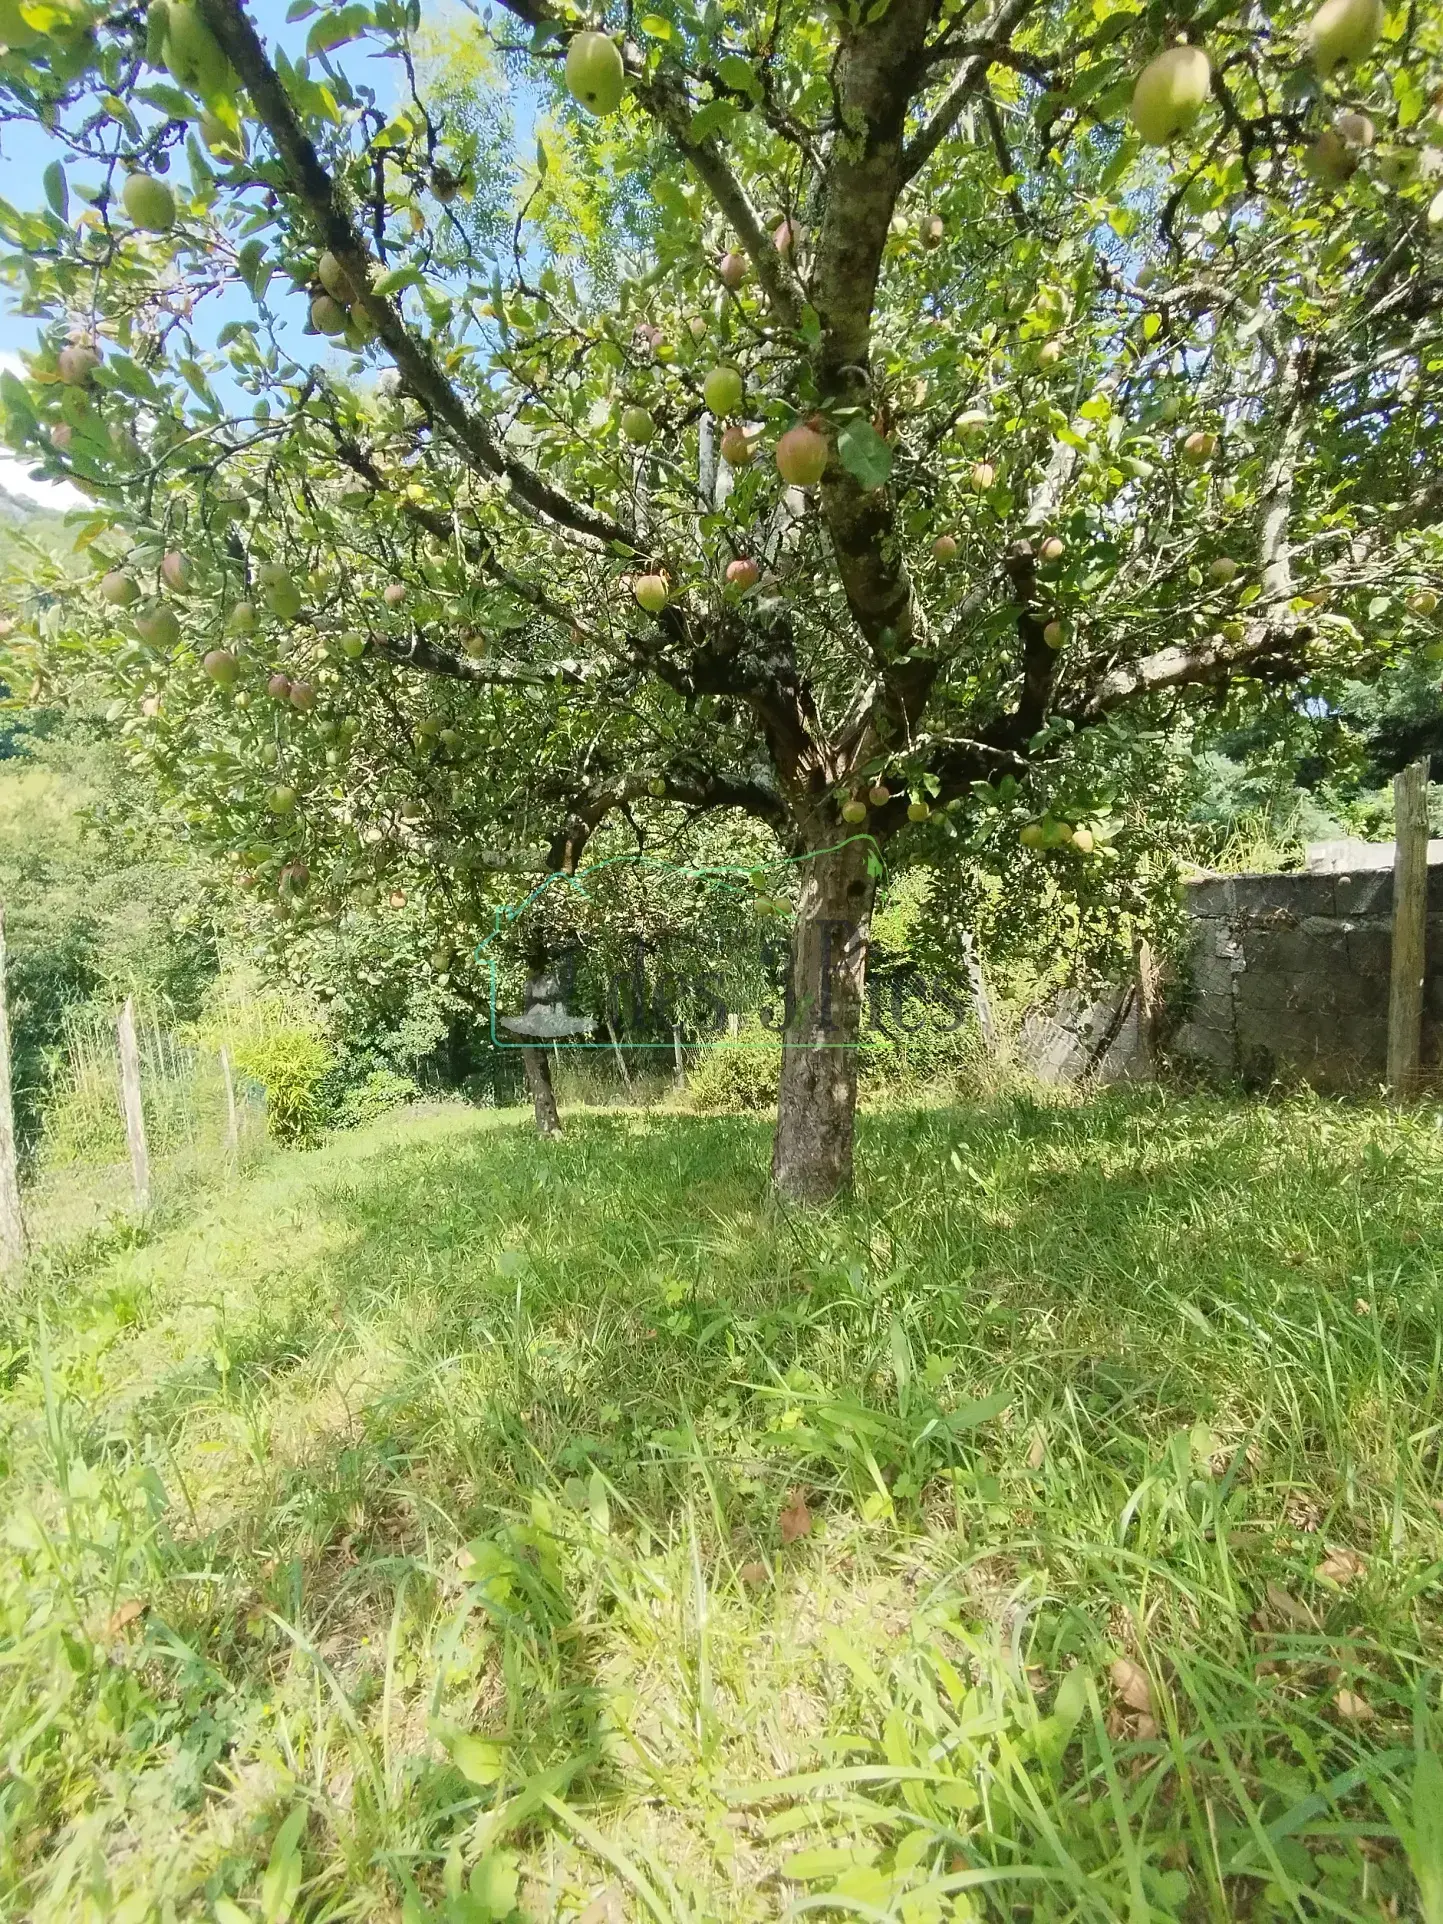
[12,1223]
[1410,928]
[1149,1004]
[679,1073]
[131,1106]
[986,1020]
[232,1125]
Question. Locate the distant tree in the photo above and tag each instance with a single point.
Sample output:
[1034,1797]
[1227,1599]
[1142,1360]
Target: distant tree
[947,386]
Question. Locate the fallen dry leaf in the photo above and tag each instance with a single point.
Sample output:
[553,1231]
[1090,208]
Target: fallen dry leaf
[1356,1709]
[123,1617]
[1130,1681]
[753,1574]
[1288,1607]
[796,1519]
[1341,1566]
[1146,1729]
[1036,1452]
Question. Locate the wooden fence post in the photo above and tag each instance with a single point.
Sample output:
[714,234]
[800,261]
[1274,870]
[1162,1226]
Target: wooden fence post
[131,1106]
[12,1223]
[1410,928]
[1149,1004]
[986,1021]
[232,1124]
[679,1074]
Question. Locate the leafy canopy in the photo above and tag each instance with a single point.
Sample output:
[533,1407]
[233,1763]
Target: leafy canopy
[442,562]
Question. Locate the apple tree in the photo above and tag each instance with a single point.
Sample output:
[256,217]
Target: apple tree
[867,404]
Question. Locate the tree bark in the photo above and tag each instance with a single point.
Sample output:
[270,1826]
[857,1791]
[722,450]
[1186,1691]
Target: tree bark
[817,1102]
[12,1223]
[543,1092]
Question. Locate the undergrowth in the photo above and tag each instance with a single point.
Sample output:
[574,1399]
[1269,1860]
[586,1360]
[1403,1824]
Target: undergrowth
[445,1524]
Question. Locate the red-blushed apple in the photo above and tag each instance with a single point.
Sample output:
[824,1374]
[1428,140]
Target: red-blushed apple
[76,365]
[802,455]
[738,448]
[394,593]
[176,571]
[120,589]
[733,269]
[946,548]
[279,687]
[222,667]
[743,574]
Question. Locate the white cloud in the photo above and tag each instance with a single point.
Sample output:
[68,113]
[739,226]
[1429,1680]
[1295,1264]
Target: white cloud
[15,477]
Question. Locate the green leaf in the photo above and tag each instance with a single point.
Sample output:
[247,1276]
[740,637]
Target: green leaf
[1425,1853]
[495,1884]
[333,30]
[398,279]
[864,454]
[253,269]
[480,1760]
[281,1885]
[656,25]
[739,74]
[56,191]
[714,118]
[542,163]
[971,1416]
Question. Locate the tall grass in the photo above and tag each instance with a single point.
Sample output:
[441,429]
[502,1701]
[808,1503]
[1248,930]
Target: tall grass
[449,1522]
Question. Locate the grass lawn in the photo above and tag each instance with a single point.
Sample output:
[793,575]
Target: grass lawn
[445,1524]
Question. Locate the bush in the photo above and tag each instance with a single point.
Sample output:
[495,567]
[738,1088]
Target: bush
[382,1090]
[289,1064]
[740,1074]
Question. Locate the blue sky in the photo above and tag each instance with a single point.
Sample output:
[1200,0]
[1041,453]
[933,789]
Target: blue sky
[26,151]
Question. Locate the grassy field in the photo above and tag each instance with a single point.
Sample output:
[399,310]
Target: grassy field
[444,1524]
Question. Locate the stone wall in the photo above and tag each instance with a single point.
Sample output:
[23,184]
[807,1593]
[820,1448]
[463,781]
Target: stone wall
[1289,977]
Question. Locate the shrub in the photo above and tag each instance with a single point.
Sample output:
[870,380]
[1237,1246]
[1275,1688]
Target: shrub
[290,1065]
[381,1091]
[740,1074]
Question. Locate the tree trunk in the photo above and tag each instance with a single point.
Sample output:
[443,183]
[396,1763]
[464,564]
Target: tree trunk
[543,1094]
[816,1109]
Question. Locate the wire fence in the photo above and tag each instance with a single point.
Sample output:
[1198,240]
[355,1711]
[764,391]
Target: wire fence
[201,1121]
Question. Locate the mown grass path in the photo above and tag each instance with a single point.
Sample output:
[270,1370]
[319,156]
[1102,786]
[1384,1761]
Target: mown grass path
[445,1523]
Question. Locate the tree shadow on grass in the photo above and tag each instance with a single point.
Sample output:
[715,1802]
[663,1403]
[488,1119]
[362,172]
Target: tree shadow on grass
[484,1315]
[460,1339]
